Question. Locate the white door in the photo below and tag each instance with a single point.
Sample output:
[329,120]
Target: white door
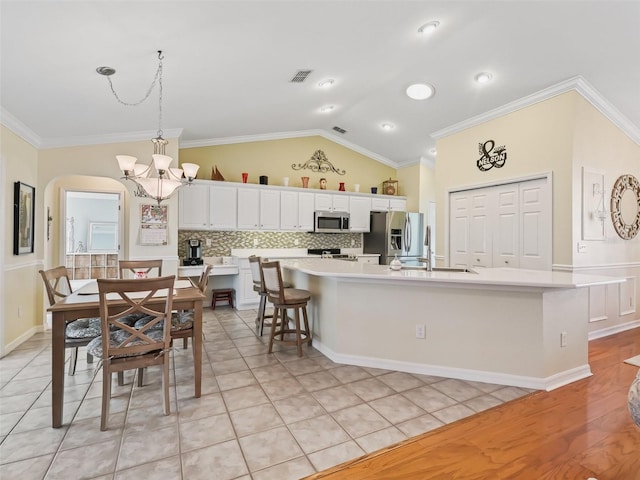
[506,235]
[459,228]
[480,230]
[535,225]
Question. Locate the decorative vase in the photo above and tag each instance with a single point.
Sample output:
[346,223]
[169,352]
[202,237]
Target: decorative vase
[305,182]
[395,264]
[341,188]
[245,177]
[633,399]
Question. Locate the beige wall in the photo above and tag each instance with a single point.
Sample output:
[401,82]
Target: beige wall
[559,135]
[20,289]
[275,158]
[538,139]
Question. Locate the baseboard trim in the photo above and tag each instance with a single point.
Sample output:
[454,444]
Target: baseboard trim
[544,383]
[605,332]
[22,338]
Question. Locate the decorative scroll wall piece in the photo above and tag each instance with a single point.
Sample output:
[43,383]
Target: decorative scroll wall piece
[318,163]
[627,222]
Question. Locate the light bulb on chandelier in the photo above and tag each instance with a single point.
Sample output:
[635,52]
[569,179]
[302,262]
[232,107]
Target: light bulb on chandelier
[168,179]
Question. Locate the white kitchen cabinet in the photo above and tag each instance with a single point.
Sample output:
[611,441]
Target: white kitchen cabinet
[258,209]
[359,213]
[328,202]
[223,208]
[193,207]
[246,297]
[386,204]
[374,259]
[248,209]
[296,211]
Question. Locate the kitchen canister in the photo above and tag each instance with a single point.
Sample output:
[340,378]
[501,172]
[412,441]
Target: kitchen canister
[264,180]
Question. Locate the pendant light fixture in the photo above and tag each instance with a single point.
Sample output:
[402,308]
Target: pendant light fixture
[168,179]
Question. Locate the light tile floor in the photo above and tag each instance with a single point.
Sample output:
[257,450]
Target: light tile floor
[261,416]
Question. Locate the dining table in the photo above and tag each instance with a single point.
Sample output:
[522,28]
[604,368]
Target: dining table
[85,303]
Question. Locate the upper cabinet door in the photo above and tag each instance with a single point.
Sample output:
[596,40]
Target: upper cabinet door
[193,207]
[248,209]
[397,205]
[223,208]
[340,203]
[360,211]
[380,204]
[324,203]
[289,210]
[306,208]
[269,209]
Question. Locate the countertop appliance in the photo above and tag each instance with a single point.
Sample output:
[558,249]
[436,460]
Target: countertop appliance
[331,222]
[398,234]
[194,252]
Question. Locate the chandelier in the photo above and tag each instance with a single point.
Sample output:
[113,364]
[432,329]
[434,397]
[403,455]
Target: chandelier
[168,179]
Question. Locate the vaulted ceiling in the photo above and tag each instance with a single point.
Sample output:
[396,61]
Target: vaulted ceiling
[228,65]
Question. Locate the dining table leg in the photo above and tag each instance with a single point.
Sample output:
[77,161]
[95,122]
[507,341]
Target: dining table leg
[197,347]
[57,368]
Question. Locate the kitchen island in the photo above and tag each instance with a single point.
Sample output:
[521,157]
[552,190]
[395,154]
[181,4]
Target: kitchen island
[518,327]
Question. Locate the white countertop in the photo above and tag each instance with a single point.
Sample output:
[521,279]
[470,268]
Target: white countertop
[291,252]
[512,277]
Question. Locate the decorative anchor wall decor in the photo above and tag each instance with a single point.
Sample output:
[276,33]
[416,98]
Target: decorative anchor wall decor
[489,157]
[318,163]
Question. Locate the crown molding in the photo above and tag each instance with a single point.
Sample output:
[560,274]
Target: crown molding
[19,128]
[286,135]
[109,138]
[577,83]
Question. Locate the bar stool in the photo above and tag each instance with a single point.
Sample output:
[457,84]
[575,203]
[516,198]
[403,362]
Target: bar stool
[283,299]
[254,263]
[225,294]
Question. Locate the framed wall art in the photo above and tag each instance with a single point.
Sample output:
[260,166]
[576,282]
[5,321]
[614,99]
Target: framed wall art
[23,218]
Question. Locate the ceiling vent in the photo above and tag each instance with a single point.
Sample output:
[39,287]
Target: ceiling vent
[300,76]
[339,130]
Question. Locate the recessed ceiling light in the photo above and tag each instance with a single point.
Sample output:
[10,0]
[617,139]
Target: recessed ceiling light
[327,108]
[420,91]
[433,151]
[326,83]
[428,28]
[387,126]
[483,77]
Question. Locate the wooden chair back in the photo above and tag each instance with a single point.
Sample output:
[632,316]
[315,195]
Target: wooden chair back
[139,268]
[57,284]
[254,263]
[204,278]
[271,277]
[137,294]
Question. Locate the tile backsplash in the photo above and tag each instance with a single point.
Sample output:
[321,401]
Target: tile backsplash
[223,242]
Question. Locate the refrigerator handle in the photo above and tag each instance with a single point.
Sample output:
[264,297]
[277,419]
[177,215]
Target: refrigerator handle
[407,233]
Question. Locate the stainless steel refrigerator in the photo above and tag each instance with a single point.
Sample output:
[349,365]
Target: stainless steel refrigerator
[396,233]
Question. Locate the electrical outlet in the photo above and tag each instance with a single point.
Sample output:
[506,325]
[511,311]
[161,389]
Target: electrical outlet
[255,242]
[563,339]
[353,242]
[582,247]
[421,331]
[208,242]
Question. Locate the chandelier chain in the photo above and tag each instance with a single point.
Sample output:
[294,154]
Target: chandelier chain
[157,79]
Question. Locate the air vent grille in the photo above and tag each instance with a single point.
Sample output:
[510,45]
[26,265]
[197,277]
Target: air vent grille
[300,76]
[339,130]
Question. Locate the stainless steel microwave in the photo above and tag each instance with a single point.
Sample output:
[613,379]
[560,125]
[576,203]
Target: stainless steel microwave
[331,222]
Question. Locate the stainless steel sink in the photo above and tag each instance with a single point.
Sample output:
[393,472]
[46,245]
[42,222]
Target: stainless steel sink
[440,269]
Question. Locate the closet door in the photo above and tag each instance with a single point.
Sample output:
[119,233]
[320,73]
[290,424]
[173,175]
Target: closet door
[480,227]
[459,229]
[506,245]
[535,225]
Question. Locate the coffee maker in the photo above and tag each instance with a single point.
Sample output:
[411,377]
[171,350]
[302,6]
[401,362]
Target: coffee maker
[194,252]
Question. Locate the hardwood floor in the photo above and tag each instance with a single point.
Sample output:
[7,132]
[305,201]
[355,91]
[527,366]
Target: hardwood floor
[575,432]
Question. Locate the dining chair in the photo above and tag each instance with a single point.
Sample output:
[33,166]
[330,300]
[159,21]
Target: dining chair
[285,298]
[182,321]
[77,333]
[140,268]
[123,347]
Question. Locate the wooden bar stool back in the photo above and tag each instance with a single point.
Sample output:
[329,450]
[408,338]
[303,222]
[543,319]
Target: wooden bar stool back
[254,263]
[283,299]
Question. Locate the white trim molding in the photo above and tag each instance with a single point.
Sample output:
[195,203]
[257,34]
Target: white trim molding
[605,332]
[576,83]
[21,339]
[19,128]
[109,138]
